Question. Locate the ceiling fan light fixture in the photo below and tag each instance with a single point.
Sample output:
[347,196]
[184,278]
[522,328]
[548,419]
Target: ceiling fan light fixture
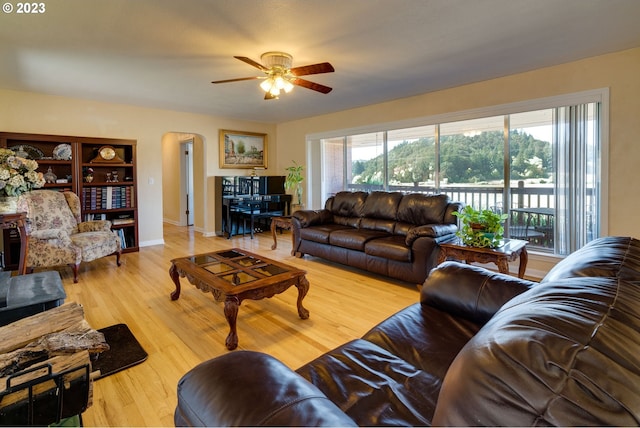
[280,76]
[276,83]
[287,85]
[277,60]
[266,84]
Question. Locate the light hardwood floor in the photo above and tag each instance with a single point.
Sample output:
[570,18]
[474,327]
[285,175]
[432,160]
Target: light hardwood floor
[344,304]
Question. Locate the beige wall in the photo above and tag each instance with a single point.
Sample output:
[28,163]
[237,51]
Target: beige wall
[618,71]
[46,114]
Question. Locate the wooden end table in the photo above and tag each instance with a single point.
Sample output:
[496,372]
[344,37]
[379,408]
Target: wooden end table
[234,275]
[510,250]
[283,222]
[18,221]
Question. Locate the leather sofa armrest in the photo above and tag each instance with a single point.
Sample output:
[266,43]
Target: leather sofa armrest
[307,218]
[94,226]
[429,230]
[471,292]
[245,388]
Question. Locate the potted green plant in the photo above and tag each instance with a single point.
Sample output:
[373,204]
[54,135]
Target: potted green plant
[480,228]
[294,180]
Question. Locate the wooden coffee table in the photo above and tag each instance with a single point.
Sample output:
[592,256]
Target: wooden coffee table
[234,275]
[509,251]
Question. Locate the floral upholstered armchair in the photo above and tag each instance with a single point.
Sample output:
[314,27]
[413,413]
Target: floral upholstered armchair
[57,236]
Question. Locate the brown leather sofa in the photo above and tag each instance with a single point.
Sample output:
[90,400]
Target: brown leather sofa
[481,348]
[387,233]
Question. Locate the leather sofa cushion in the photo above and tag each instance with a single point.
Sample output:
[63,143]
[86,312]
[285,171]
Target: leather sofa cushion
[390,247]
[424,336]
[320,233]
[378,224]
[353,222]
[402,228]
[354,239]
[421,209]
[361,376]
[393,375]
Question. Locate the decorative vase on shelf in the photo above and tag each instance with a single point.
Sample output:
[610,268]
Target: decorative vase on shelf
[8,204]
[49,176]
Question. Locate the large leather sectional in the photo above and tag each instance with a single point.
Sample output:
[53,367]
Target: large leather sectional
[388,233]
[480,348]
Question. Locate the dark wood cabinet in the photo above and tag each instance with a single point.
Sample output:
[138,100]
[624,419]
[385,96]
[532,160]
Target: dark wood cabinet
[12,246]
[110,192]
[70,158]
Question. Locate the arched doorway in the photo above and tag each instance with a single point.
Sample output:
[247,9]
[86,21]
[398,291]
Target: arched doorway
[183,179]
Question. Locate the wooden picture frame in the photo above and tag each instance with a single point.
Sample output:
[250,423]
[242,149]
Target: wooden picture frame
[239,149]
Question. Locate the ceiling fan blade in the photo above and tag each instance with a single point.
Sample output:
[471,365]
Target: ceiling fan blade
[237,80]
[252,63]
[323,67]
[311,85]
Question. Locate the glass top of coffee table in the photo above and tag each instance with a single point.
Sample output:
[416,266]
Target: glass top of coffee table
[238,267]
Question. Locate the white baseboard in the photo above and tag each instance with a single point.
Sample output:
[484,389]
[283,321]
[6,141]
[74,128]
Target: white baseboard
[150,243]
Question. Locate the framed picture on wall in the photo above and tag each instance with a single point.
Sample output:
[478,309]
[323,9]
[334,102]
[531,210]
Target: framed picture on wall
[240,149]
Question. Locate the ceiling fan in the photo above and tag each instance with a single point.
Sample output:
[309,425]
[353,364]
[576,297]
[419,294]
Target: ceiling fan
[279,76]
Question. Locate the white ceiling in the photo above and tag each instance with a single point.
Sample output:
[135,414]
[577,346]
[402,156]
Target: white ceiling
[165,53]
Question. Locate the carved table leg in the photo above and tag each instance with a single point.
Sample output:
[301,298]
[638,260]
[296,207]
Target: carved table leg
[231,305]
[524,258]
[303,288]
[273,233]
[175,276]
[442,256]
[503,265]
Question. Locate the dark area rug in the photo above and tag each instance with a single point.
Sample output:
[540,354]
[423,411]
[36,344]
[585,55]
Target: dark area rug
[124,352]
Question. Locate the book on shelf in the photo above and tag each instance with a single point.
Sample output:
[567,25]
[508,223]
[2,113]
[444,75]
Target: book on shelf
[126,239]
[107,197]
[122,221]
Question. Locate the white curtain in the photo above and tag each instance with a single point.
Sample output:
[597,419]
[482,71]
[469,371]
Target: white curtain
[577,140]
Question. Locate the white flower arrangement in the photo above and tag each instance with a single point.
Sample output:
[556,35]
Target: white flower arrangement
[18,175]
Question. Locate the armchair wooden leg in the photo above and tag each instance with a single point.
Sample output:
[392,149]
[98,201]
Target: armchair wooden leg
[118,253]
[75,268]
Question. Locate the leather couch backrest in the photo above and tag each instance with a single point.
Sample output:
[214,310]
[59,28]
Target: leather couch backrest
[380,211]
[392,212]
[611,256]
[347,207]
[564,353]
[421,209]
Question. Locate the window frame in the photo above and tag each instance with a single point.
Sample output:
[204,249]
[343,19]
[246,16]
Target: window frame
[600,95]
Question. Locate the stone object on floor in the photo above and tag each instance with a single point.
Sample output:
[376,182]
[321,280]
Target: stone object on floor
[25,295]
